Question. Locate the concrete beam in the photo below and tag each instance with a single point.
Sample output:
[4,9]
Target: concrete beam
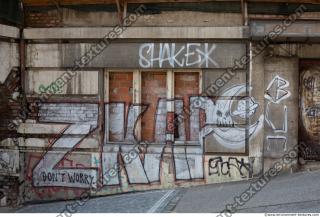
[304,51]
[9,31]
[79,2]
[222,55]
[299,31]
[139,33]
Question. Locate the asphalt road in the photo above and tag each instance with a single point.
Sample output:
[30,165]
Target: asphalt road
[140,202]
[291,193]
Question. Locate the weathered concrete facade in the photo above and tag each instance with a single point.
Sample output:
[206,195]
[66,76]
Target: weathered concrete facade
[171,102]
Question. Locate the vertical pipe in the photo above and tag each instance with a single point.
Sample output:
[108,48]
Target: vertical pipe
[101,121]
[244,12]
[22,57]
[125,8]
[137,101]
[22,49]
[170,107]
[119,12]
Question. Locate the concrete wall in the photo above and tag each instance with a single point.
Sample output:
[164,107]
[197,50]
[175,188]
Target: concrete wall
[90,124]
[10,109]
[185,139]
[281,106]
[292,56]
[235,132]
[85,82]
[9,57]
[75,18]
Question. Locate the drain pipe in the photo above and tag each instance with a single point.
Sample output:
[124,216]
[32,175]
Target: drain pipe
[22,57]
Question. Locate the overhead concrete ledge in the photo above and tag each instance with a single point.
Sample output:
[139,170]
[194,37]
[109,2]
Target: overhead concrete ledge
[9,31]
[299,31]
[139,33]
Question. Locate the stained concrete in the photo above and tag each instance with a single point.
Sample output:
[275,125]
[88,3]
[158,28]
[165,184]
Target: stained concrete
[9,31]
[181,32]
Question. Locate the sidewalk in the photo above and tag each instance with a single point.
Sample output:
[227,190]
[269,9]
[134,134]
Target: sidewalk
[298,192]
[139,202]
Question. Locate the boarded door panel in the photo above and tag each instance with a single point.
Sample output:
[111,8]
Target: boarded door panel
[153,94]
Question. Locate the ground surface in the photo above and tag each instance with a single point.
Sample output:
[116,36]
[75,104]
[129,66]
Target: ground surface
[299,192]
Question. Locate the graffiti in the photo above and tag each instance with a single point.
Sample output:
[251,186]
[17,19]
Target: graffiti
[242,105]
[313,111]
[143,168]
[116,117]
[84,120]
[76,113]
[188,162]
[146,171]
[161,124]
[224,115]
[96,161]
[49,191]
[310,112]
[4,161]
[310,97]
[276,91]
[11,106]
[276,143]
[9,160]
[64,177]
[220,118]
[284,122]
[178,121]
[146,168]
[116,121]
[182,55]
[120,128]
[56,177]
[309,83]
[219,166]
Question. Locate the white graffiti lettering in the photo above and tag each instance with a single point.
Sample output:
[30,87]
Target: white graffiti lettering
[171,55]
